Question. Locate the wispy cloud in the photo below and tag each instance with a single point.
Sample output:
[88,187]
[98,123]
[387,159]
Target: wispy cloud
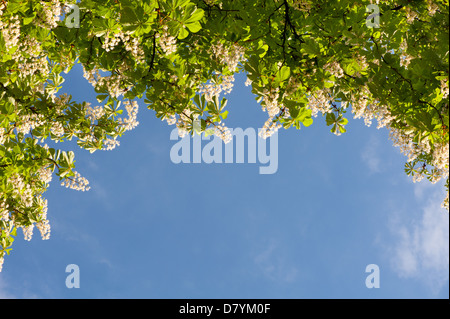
[274,266]
[370,155]
[4,290]
[421,249]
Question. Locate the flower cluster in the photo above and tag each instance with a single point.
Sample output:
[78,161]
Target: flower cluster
[57,129]
[28,122]
[25,198]
[112,82]
[135,49]
[183,123]
[441,158]
[363,108]
[223,132]
[27,231]
[167,42]
[28,51]
[271,105]
[110,144]
[131,44]
[403,140]
[49,17]
[439,152]
[230,56]
[76,182]
[334,68]
[270,127]
[270,102]
[171,119]
[45,174]
[320,102]
[21,190]
[110,42]
[132,110]
[11,32]
[224,84]
[44,228]
[94,113]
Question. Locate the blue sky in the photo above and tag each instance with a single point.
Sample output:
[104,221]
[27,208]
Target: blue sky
[149,228]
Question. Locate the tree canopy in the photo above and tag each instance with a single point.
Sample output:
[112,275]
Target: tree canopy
[381,61]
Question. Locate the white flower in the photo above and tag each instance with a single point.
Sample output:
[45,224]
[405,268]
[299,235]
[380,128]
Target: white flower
[320,102]
[334,68]
[214,89]
[49,16]
[45,175]
[170,119]
[167,42]
[111,82]
[269,128]
[183,122]
[110,144]
[132,110]
[223,133]
[57,129]
[11,32]
[77,182]
[110,42]
[270,102]
[27,232]
[43,225]
[230,56]
[93,113]
[44,228]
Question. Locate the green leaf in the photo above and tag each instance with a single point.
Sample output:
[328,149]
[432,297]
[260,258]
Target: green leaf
[285,72]
[307,121]
[224,115]
[196,16]
[128,16]
[194,27]
[343,121]
[28,20]
[183,33]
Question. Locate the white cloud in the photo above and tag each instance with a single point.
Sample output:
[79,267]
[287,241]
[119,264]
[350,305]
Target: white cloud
[421,249]
[370,155]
